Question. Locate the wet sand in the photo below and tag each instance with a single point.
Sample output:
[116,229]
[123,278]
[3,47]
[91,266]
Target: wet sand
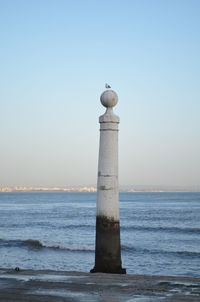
[53,286]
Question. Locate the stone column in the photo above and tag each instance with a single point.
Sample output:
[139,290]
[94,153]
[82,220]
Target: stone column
[108,249]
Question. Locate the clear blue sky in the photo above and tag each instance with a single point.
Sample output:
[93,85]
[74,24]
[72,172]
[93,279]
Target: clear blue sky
[55,57]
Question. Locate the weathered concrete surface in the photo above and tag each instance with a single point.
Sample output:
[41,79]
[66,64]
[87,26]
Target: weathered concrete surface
[84,287]
[107,184]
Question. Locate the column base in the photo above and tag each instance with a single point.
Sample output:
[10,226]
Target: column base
[108,248]
[103,270]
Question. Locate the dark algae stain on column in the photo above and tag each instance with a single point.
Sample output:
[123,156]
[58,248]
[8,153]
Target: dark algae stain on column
[108,248]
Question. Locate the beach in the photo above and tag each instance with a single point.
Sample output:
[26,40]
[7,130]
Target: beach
[54,286]
[46,285]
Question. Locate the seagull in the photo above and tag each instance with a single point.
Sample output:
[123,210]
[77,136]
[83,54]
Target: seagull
[107,86]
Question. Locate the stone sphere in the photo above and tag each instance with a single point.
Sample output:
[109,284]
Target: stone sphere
[109,98]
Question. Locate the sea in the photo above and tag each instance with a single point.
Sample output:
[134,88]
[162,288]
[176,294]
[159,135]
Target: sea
[160,232]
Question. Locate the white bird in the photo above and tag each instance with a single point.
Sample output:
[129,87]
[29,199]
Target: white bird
[107,86]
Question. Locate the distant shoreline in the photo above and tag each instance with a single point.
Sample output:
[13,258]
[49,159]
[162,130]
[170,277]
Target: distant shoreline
[93,189]
[122,191]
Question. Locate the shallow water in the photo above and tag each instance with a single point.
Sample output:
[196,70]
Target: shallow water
[160,232]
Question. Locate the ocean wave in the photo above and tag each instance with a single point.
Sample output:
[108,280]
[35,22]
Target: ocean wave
[124,228]
[161,252]
[161,229]
[48,225]
[34,244]
[38,245]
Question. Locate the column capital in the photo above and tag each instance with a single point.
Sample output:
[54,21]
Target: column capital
[109,117]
